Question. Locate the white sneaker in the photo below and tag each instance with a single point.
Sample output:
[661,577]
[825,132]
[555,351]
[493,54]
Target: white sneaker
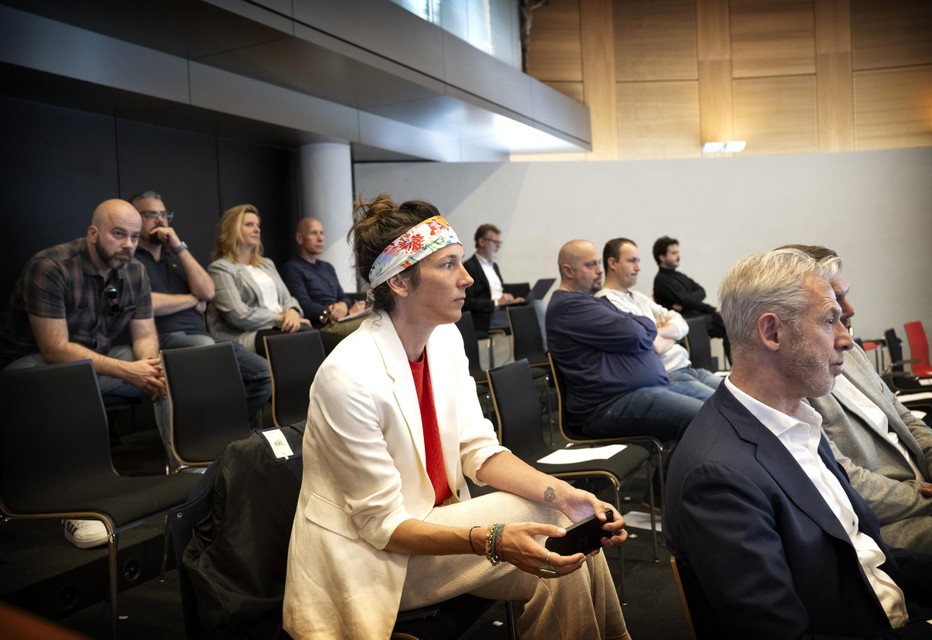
[85,534]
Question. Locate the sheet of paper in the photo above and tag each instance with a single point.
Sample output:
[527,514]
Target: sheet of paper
[640,520]
[909,397]
[571,455]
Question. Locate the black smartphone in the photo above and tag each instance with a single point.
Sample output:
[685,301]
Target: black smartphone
[584,536]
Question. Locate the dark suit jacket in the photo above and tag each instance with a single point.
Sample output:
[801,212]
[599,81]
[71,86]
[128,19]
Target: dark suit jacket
[479,295]
[760,552]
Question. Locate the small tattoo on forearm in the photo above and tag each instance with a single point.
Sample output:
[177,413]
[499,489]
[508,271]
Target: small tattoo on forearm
[549,494]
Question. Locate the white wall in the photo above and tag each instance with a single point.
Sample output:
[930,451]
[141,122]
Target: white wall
[874,208]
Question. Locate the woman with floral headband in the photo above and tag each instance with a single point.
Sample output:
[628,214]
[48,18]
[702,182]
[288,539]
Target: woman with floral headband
[384,521]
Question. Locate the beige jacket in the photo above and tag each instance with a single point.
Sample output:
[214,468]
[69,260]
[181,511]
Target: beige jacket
[365,473]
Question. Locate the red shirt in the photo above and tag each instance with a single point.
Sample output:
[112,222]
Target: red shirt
[432,446]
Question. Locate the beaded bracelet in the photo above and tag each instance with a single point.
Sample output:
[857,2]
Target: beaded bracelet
[492,541]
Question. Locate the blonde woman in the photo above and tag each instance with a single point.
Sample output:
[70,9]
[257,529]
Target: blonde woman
[251,299]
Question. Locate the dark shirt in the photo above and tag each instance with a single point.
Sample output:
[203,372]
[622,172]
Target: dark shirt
[672,287]
[62,283]
[315,285]
[168,276]
[603,352]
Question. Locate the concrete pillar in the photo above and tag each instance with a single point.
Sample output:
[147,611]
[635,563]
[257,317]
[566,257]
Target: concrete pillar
[327,194]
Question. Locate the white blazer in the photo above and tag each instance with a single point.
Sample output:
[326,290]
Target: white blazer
[365,473]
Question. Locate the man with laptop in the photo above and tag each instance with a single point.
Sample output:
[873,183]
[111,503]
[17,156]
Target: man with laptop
[487,298]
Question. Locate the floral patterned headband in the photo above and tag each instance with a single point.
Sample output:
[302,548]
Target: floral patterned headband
[411,247]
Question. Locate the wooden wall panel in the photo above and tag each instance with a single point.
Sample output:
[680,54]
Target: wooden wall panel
[555,50]
[789,76]
[892,33]
[893,108]
[716,107]
[572,90]
[772,38]
[595,22]
[658,119]
[776,115]
[833,75]
[655,39]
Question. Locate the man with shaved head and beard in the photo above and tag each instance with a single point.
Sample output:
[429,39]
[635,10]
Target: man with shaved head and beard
[616,384]
[72,302]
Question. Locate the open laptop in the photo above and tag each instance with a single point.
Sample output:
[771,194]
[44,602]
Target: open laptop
[539,290]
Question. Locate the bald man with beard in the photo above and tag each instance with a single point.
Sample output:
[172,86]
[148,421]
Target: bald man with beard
[616,384]
[72,302]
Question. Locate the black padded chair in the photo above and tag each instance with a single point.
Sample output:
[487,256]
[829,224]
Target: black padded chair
[527,343]
[55,459]
[471,344]
[294,359]
[699,344]
[207,403]
[651,443]
[515,400]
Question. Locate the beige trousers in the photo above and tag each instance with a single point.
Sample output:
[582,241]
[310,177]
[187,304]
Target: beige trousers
[583,604]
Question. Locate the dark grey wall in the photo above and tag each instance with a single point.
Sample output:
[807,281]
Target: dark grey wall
[57,164]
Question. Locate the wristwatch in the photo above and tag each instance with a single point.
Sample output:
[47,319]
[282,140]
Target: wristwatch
[182,246]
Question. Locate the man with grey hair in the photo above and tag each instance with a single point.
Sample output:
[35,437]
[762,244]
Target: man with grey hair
[885,449]
[770,539]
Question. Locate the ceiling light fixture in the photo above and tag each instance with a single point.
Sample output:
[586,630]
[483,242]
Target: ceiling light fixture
[734,146]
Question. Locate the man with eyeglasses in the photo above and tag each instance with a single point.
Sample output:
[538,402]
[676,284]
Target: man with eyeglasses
[487,298]
[181,289]
[72,302]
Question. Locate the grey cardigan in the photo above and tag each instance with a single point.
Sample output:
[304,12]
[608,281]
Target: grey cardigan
[876,468]
[235,313]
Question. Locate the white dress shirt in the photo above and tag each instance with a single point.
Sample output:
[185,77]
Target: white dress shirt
[495,283]
[800,434]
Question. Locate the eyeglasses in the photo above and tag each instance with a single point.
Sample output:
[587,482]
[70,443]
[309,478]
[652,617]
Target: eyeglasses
[152,215]
[497,243]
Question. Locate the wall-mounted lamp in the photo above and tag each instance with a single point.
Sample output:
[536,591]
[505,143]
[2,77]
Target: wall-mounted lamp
[734,146]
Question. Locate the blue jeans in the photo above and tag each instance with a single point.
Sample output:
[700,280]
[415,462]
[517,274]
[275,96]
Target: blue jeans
[652,411]
[254,369]
[696,383]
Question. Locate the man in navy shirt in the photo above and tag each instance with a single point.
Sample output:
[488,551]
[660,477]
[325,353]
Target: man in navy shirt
[616,384]
[181,289]
[314,282]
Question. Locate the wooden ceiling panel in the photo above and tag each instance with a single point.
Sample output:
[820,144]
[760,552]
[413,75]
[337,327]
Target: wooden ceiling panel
[892,33]
[655,39]
[555,50]
[658,119]
[893,108]
[772,38]
[776,115]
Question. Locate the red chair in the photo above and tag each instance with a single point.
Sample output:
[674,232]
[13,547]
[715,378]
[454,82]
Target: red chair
[918,349]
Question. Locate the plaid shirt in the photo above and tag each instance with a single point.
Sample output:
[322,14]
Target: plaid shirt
[62,282]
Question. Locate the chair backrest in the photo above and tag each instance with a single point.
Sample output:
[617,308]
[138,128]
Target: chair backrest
[54,431]
[699,344]
[683,601]
[294,359]
[471,343]
[517,407]
[895,347]
[559,384]
[207,400]
[918,349]
[526,339]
